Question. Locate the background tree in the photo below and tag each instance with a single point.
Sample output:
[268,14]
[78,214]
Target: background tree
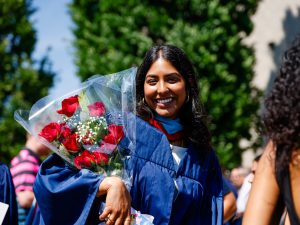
[114,35]
[22,80]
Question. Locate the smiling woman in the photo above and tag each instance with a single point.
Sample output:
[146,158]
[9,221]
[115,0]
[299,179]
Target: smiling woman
[168,99]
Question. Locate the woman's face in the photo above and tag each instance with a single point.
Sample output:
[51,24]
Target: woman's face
[164,89]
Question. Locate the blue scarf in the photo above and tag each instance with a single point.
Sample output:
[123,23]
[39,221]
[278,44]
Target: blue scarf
[172,126]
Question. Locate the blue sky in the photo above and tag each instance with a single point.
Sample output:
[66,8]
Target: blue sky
[53,25]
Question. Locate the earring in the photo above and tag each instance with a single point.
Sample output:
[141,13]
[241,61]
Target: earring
[143,100]
[296,159]
[187,98]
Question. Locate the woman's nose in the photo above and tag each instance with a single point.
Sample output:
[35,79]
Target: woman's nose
[162,88]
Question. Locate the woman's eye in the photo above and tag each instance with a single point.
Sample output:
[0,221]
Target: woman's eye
[151,81]
[172,80]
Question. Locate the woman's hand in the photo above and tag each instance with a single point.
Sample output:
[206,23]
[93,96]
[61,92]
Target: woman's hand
[118,201]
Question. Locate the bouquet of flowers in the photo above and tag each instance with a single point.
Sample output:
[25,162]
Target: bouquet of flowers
[84,127]
[84,137]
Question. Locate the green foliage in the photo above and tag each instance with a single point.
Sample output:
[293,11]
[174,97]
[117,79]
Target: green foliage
[22,80]
[114,35]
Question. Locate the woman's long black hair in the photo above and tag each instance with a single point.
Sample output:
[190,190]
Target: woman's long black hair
[192,114]
[282,114]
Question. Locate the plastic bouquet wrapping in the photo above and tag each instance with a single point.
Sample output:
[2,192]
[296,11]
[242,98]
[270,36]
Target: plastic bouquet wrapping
[85,126]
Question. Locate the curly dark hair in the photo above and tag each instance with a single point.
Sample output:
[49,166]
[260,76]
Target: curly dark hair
[282,114]
[192,113]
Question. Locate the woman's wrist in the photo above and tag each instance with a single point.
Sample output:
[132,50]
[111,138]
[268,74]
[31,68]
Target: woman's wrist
[107,183]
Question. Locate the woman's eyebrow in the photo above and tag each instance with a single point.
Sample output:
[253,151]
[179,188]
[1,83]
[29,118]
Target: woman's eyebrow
[151,75]
[174,73]
[168,74]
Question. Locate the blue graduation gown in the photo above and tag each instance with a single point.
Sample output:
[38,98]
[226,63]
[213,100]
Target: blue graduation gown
[198,197]
[8,196]
[68,197]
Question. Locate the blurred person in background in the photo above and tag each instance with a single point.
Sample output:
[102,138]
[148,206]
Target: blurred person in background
[24,168]
[237,176]
[244,192]
[277,179]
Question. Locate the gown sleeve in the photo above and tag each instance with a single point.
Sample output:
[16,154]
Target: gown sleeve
[8,196]
[213,200]
[66,196]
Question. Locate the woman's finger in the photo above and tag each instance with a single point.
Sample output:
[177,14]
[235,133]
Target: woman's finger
[119,221]
[127,220]
[110,219]
[122,217]
[107,210]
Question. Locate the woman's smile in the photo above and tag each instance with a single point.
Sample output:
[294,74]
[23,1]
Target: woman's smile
[164,101]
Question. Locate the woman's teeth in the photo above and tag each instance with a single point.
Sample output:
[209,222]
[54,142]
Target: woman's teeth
[163,101]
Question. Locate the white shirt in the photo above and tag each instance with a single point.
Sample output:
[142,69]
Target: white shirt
[243,195]
[178,154]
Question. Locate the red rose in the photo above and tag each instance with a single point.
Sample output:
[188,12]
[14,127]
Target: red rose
[77,161]
[71,144]
[65,132]
[109,139]
[101,158]
[97,109]
[115,134]
[69,106]
[88,159]
[85,160]
[51,131]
